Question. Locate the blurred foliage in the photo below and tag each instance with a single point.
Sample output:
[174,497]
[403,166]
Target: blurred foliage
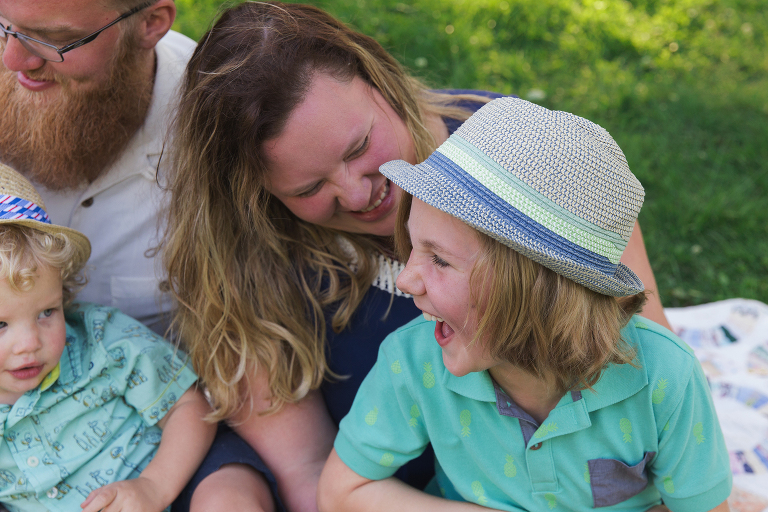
[682,85]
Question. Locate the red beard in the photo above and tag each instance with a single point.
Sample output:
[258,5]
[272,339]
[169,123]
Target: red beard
[69,141]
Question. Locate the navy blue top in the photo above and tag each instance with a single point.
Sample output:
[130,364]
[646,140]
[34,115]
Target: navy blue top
[353,352]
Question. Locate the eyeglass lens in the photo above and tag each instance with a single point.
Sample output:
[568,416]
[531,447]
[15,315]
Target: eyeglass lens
[34,47]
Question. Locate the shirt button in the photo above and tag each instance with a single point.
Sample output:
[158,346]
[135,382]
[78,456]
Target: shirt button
[33,461]
[536,446]
[52,493]
[87,203]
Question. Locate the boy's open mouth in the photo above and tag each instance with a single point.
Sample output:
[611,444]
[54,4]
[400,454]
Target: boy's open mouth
[443,333]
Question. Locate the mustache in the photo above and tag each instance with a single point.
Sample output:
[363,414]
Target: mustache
[43,76]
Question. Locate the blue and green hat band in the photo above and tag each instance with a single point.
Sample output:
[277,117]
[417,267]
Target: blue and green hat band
[530,202]
[509,213]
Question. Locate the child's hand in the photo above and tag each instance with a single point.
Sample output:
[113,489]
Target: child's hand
[138,494]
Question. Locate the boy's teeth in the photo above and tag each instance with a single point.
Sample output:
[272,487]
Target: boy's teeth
[431,318]
[380,199]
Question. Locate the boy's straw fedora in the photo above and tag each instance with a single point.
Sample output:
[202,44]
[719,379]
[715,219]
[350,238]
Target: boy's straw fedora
[551,185]
[21,204]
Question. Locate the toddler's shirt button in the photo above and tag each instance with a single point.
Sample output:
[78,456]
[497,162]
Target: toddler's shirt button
[52,493]
[33,461]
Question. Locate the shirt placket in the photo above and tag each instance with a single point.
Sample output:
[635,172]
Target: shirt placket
[540,459]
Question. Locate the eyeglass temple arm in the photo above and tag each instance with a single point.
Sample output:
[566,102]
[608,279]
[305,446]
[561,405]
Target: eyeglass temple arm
[89,38]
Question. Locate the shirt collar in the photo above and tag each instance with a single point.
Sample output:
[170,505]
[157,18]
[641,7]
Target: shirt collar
[619,381]
[51,377]
[141,155]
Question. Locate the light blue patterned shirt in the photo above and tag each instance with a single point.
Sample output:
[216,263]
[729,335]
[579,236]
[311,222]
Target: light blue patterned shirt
[94,423]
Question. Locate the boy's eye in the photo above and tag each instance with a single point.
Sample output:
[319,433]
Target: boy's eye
[3,325]
[46,313]
[437,260]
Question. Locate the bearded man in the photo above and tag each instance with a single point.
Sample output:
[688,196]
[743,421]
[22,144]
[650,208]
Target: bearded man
[85,119]
[87,88]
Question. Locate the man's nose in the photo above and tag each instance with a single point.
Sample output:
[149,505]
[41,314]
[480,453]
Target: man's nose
[18,58]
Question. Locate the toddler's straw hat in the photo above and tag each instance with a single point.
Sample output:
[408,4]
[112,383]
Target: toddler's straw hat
[550,185]
[21,204]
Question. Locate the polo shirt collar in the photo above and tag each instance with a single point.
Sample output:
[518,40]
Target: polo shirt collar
[619,382]
[476,385]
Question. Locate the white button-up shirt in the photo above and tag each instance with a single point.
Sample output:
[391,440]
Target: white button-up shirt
[119,211]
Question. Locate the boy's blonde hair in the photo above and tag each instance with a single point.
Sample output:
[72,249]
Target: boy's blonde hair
[23,250]
[538,320]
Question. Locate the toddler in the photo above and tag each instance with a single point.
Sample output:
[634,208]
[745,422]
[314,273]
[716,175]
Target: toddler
[542,391]
[85,391]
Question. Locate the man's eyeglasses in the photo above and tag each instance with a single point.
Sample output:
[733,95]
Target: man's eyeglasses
[50,52]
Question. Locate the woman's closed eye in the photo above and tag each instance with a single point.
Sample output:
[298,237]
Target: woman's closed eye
[440,262]
[312,191]
[360,149]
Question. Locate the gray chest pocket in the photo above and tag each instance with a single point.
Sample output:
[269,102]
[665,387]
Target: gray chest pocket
[612,481]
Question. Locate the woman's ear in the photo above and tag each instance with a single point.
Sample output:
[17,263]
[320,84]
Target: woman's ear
[156,22]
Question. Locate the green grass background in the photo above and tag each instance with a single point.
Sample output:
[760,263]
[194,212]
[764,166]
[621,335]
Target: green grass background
[682,85]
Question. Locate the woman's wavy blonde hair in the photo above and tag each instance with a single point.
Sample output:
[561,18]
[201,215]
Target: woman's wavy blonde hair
[253,282]
[23,250]
[538,320]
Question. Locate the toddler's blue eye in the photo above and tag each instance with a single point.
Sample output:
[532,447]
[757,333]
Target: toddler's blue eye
[3,325]
[437,260]
[46,313]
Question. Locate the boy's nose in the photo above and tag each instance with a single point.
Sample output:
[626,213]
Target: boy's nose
[27,341]
[409,280]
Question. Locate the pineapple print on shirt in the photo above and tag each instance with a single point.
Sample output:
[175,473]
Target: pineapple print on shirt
[396,368]
[626,428]
[669,486]
[479,492]
[414,416]
[465,418]
[545,429]
[372,416]
[698,432]
[551,500]
[510,469]
[658,394]
[387,459]
[428,379]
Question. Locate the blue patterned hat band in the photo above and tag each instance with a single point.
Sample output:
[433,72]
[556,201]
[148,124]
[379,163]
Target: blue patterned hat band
[16,208]
[551,185]
[21,204]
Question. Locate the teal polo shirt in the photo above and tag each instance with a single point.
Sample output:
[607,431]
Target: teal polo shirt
[93,420]
[642,435]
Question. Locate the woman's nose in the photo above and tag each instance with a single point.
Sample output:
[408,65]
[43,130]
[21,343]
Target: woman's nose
[355,191]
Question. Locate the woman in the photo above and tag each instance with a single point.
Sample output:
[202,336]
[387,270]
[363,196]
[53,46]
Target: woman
[278,248]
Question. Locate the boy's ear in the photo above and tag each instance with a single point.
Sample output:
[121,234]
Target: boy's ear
[156,22]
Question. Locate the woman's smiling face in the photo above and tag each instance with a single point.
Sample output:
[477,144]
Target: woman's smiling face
[444,254]
[324,166]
